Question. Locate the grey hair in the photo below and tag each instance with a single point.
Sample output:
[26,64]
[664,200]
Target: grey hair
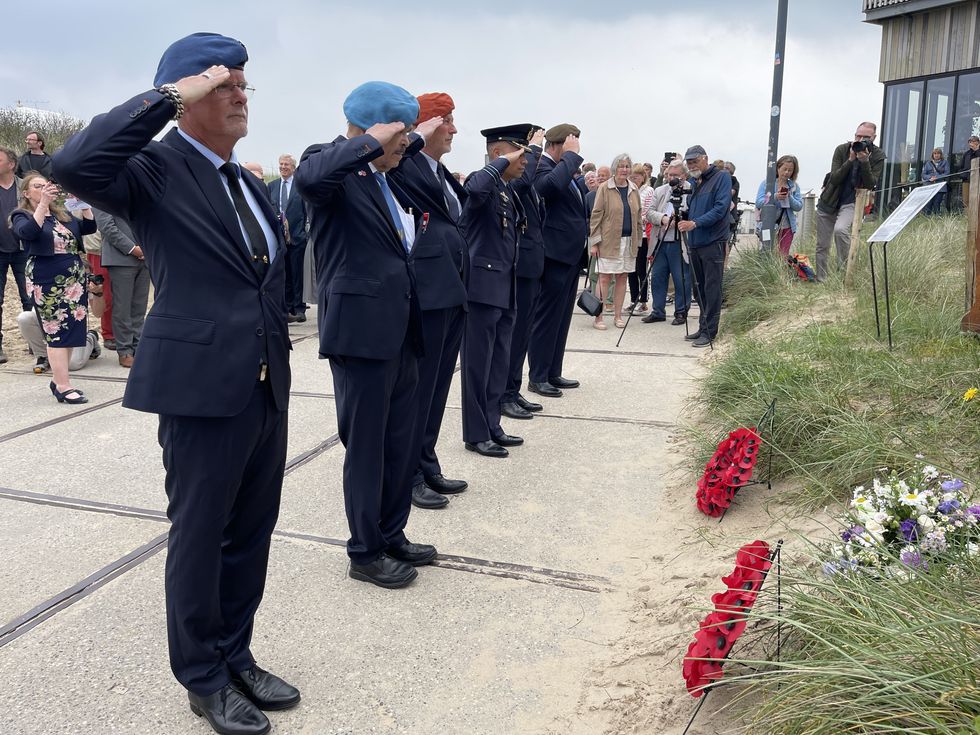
[288,157]
[618,160]
[679,162]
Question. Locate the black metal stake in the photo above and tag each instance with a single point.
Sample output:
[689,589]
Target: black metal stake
[888,300]
[874,286]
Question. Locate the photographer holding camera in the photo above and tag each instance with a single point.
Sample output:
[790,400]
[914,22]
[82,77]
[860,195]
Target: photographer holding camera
[706,225]
[669,200]
[857,164]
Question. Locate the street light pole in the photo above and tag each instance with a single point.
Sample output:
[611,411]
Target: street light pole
[771,211]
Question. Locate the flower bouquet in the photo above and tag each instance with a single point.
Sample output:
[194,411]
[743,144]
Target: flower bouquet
[900,524]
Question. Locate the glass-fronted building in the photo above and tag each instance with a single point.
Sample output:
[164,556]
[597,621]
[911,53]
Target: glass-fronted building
[930,66]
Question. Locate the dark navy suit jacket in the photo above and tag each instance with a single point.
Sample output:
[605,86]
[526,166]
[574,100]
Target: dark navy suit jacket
[567,226]
[213,318]
[492,221]
[530,263]
[442,262]
[295,210]
[366,289]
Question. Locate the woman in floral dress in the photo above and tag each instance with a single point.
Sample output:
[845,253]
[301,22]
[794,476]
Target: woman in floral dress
[55,274]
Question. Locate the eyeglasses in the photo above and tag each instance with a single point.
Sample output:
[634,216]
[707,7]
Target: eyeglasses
[226,90]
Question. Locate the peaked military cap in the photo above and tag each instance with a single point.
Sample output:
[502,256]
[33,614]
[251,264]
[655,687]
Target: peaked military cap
[519,135]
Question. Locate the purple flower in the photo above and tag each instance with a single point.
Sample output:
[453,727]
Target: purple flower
[830,568]
[910,530]
[852,532]
[912,558]
[974,510]
[948,506]
[951,486]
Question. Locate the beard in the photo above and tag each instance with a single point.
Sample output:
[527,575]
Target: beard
[696,174]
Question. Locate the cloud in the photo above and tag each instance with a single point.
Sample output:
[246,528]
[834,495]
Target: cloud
[644,81]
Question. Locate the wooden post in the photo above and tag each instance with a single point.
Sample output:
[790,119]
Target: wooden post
[860,201]
[971,320]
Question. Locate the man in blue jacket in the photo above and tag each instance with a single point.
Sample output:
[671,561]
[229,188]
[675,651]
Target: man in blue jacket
[213,358]
[706,226]
[364,237]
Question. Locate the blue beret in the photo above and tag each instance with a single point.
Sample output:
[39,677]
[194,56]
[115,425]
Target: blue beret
[194,53]
[380,102]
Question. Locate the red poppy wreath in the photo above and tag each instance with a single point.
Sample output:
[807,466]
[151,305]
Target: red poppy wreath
[721,628]
[729,468]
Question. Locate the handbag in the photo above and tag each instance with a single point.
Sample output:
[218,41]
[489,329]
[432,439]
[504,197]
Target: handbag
[588,301]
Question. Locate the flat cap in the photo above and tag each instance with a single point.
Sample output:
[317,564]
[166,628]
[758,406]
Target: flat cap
[194,53]
[381,102]
[434,104]
[558,133]
[519,134]
[695,151]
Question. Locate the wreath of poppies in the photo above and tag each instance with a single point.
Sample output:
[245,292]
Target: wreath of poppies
[729,469]
[721,628]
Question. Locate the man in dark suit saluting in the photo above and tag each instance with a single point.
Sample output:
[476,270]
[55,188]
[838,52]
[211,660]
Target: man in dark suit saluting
[292,210]
[370,323]
[441,267]
[213,358]
[565,232]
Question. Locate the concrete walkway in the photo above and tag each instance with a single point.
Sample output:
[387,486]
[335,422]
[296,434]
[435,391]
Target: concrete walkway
[495,638]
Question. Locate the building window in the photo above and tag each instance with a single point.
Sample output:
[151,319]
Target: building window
[967,120]
[900,136]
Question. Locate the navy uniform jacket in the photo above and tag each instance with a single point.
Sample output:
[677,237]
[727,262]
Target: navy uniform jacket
[442,262]
[366,289]
[530,264]
[213,319]
[567,226]
[492,220]
[295,210]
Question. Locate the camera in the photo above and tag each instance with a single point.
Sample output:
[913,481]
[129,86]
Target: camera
[859,146]
[95,279]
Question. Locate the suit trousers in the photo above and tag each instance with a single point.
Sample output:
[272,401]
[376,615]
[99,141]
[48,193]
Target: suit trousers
[486,363]
[528,290]
[377,403]
[836,226]
[442,333]
[224,480]
[130,293]
[16,262]
[708,264]
[552,318]
[295,257]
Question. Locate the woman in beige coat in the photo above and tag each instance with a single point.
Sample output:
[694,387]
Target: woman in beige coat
[615,234]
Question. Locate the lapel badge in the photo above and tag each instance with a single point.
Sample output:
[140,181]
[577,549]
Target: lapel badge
[361,172]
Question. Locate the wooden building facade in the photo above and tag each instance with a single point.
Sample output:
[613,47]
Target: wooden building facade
[930,66]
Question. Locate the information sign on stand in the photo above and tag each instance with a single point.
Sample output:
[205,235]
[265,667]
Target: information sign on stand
[889,230]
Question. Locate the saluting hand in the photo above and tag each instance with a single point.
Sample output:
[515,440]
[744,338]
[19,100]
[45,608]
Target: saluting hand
[514,156]
[571,144]
[428,127]
[384,133]
[197,87]
[537,138]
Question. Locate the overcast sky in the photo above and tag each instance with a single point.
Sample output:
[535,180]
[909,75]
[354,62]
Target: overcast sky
[658,76]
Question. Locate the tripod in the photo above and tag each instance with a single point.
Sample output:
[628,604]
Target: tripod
[681,239]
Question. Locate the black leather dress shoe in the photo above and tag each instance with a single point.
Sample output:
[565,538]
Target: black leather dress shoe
[267,691]
[528,405]
[292,319]
[693,335]
[506,440]
[487,449]
[229,712]
[560,382]
[418,555]
[444,485]
[650,318]
[513,411]
[544,389]
[385,571]
[423,497]
[679,319]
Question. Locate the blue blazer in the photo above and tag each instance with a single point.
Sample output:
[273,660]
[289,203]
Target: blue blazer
[213,318]
[366,290]
[492,220]
[530,263]
[295,211]
[567,227]
[442,263]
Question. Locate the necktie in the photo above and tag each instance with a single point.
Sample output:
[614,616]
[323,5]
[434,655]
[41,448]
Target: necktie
[283,195]
[256,237]
[450,199]
[578,192]
[392,208]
